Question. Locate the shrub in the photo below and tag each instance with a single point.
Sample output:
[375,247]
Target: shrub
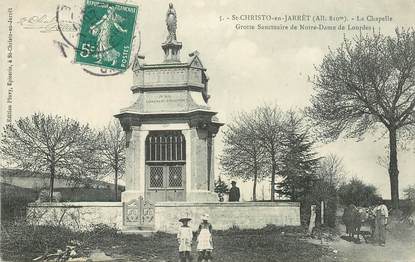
[21,239]
[99,233]
[409,194]
[358,193]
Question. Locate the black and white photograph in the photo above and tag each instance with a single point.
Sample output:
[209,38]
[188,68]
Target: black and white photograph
[214,131]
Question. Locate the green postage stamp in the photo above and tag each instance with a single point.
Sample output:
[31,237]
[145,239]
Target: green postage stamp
[106,34]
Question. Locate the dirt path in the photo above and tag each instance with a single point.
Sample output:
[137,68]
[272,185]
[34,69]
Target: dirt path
[395,250]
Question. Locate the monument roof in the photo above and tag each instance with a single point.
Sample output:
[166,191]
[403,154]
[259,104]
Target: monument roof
[193,61]
[130,110]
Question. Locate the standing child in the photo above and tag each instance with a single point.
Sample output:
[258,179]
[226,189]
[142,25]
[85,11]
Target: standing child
[185,236]
[204,240]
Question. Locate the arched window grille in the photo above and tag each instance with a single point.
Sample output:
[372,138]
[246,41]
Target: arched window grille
[165,146]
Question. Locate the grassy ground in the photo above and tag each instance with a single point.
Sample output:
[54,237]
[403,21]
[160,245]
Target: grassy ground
[268,244]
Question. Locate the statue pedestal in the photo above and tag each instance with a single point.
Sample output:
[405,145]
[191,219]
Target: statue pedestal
[172,51]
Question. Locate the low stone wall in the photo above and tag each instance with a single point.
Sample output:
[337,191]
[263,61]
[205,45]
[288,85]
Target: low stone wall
[245,215]
[76,215]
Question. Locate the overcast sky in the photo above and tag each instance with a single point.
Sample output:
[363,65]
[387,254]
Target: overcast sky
[246,67]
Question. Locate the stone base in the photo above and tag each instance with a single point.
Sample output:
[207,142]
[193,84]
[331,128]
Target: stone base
[222,215]
[130,195]
[201,196]
[225,215]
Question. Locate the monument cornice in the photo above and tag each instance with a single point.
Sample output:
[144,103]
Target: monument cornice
[199,118]
[127,121]
[168,65]
[203,123]
[164,87]
[131,113]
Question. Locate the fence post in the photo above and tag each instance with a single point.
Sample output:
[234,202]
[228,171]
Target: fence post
[312,223]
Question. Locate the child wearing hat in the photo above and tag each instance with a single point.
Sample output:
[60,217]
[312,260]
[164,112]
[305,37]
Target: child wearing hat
[185,236]
[204,240]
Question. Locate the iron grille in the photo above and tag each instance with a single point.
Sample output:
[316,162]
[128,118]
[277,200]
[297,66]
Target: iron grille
[156,176]
[175,176]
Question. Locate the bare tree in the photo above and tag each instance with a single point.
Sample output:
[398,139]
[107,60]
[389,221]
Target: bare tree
[50,144]
[242,155]
[112,151]
[268,122]
[367,83]
[331,170]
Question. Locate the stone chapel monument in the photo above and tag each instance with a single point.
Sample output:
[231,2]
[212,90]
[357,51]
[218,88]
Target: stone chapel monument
[170,132]
[170,128]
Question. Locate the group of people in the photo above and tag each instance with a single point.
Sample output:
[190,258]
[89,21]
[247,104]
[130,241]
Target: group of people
[375,216]
[204,233]
[204,239]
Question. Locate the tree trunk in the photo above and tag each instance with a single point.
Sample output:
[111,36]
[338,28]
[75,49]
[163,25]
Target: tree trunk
[116,184]
[273,178]
[255,182]
[52,180]
[393,169]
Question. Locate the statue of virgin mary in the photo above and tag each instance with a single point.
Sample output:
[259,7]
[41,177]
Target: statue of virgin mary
[171,22]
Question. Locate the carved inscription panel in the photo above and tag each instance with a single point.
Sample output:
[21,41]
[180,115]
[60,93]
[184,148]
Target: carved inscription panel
[165,101]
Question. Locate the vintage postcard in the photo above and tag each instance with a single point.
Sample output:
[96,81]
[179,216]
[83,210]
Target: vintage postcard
[223,130]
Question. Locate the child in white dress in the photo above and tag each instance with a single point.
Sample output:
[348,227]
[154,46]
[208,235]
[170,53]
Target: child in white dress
[185,236]
[204,240]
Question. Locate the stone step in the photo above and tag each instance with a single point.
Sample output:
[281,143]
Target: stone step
[138,231]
